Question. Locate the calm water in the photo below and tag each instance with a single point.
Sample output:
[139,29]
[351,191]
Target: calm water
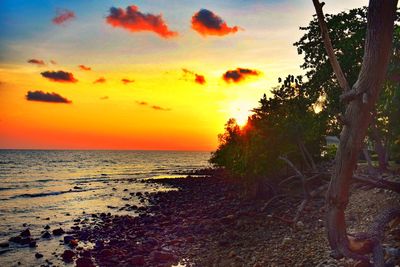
[54,187]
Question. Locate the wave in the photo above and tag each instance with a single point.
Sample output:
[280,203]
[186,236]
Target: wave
[45,194]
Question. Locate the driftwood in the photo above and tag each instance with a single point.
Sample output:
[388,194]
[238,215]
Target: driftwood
[307,193]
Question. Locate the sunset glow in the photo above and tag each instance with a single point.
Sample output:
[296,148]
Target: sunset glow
[151,75]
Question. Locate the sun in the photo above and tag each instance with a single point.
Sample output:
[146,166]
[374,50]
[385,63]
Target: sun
[240,110]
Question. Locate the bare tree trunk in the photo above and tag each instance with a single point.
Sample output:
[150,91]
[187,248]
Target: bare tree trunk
[362,98]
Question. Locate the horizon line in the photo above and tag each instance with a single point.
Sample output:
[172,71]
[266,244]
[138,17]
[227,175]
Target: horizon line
[105,149]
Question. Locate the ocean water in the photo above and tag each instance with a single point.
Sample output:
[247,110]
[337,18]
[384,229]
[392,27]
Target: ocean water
[41,187]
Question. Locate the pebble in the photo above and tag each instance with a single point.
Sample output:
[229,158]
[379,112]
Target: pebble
[38,255]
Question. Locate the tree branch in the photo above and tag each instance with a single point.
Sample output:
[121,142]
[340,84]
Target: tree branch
[328,46]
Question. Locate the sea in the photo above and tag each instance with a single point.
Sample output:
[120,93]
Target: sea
[54,187]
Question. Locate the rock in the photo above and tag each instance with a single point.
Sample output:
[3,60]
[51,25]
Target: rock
[38,255]
[68,238]
[25,233]
[162,256]
[46,235]
[286,240]
[84,262]
[4,244]
[47,227]
[15,239]
[106,253]
[228,219]
[300,224]
[58,232]
[137,260]
[73,243]
[32,244]
[77,187]
[68,255]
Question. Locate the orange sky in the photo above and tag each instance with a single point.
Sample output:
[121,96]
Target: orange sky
[235,58]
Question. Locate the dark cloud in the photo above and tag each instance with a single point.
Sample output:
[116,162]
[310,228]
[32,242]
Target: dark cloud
[100,80]
[126,81]
[62,16]
[46,97]
[206,23]
[59,76]
[83,67]
[133,20]
[197,78]
[104,97]
[36,61]
[239,74]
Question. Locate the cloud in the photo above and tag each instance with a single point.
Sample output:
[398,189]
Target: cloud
[63,15]
[59,76]
[206,23]
[126,81]
[133,20]
[160,108]
[46,97]
[100,80]
[53,62]
[83,67]
[200,79]
[104,97]
[197,78]
[239,74]
[142,103]
[155,107]
[36,61]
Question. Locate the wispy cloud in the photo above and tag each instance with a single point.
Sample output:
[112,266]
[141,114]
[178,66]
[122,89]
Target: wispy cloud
[100,80]
[62,16]
[206,23]
[127,81]
[36,62]
[59,76]
[104,98]
[46,97]
[83,67]
[197,78]
[155,107]
[239,75]
[133,20]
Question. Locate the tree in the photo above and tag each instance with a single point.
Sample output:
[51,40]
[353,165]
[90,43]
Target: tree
[348,38]
[283,125]
[360,99]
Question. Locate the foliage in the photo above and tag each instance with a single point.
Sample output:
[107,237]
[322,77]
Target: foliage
[278,126]
[347,33]
[299,114]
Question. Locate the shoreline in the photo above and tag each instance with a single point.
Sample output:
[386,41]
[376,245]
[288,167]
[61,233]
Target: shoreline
[203,222]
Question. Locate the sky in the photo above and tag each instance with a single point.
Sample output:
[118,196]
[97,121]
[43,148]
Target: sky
[146,75]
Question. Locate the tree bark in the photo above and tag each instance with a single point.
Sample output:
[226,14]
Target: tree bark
[378,43]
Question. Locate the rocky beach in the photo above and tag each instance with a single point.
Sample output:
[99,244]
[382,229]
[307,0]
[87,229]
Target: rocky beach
[205,221]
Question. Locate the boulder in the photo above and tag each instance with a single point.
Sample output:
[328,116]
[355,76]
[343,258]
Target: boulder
[58,232]
[68,255]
